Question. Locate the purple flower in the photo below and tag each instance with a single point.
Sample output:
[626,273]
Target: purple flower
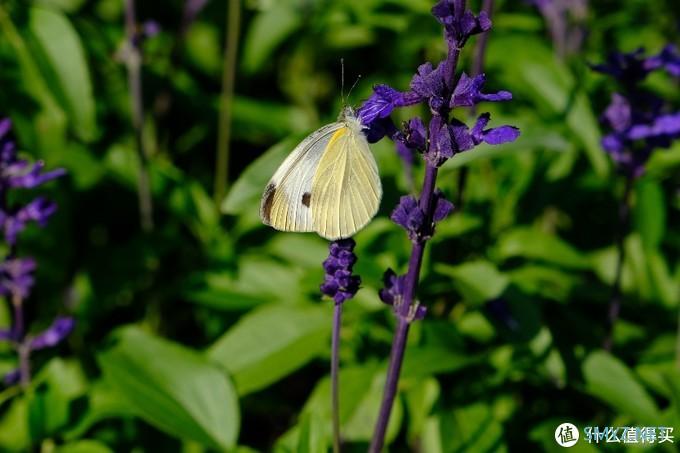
[632,67]
[16,277]
[339,283]
[459,23]
[392,294]
[668,58]
[39,211]
[409,216]
[468,92]
[61,327]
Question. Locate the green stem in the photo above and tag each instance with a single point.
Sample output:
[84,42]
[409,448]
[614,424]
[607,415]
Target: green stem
[226,99]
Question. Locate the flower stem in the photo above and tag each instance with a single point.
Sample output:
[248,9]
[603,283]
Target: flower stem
[615,300]
[335,370]
[134,62]
[226,98]
[401,334]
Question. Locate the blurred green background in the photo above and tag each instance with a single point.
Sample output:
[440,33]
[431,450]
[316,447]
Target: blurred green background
[208,333]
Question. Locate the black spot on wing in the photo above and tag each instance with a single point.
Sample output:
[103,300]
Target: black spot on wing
[267,201]
[306,197]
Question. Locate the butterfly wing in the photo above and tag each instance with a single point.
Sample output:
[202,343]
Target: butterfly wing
[285,204]
[346,189]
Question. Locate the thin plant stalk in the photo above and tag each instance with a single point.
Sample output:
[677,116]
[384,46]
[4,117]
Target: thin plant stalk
[616,296]
[335,371]
[404,320]
[226,100]
[134,67]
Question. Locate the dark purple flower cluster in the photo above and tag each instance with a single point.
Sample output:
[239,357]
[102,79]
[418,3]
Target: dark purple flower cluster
[16,274]
[438,88]
[639,121]
[339,283]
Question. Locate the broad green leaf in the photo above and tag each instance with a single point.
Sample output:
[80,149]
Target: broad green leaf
[420,399]
[478,281]
[650,212]
[46,131]
[60,382]
[531,243]
[61,47]
[172,388]
[68,6]
[424,361]
[610,380]
[267,31]
[543,281]
[246,192]
[14,427]
[270,343]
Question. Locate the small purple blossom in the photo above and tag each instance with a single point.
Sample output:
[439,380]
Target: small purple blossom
[53,335]
[16,277]
[392,294]
[339,283]
[409,216]
[458,22]
[39,211]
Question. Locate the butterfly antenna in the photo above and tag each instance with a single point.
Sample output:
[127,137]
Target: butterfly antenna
[353,85]
[342,81]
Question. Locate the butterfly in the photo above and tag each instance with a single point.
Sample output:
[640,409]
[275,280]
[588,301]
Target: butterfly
[329,184]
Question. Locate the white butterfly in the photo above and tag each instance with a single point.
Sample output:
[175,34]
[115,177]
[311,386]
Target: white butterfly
[328,184]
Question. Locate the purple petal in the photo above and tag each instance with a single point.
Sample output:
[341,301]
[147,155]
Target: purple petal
[5,127]
[5,334]
[60,329]
[443,207]
[502,134]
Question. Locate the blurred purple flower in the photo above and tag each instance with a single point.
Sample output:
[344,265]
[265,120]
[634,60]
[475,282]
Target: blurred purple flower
[566,21]
[39,211]
[339,283]
[16,277]
[53,335]
[639,120]
[12,377]
[16,274]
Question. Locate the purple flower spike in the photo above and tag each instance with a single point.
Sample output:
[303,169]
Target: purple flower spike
[5,334]
[339,283]
[60,329]
[468,92]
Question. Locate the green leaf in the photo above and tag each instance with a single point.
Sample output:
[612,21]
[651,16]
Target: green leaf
[543,281]
[649,214]
[84,446]
[63,52]
[172,388]
[610,380]
[248,188]
[267,31]
[532,243]
[14,428]
[270,343]
[478,281]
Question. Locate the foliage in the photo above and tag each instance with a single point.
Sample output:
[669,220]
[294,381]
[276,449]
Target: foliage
[209,332]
